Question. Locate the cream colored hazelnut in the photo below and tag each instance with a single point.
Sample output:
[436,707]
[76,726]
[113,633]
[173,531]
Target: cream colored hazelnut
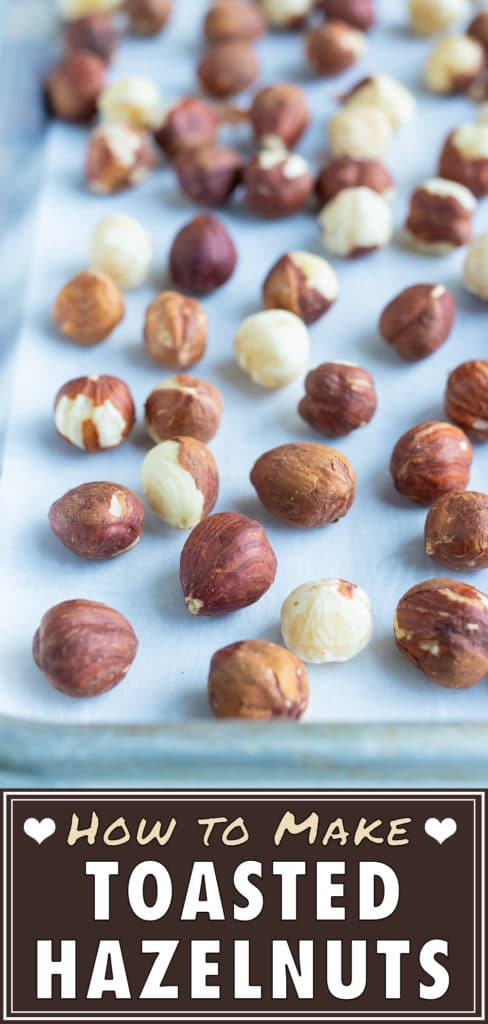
[288,14]
[134,100]
[475,273]
[386,94]
[93,413]
[122,249]
[303,284]
[426,17]
[179,478]
[363,133]
[454,64]
[356,222]
[272,347]
[327,621]
[483,114]
[118,157]
[70,9]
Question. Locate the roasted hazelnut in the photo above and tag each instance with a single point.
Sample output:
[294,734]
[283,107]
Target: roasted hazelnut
[256,679]
[84,648]
[360,13]
[345,172]
[440,216]
[464,157]
[98,520]
[333,46]
[180,481]
[226,564]
[431,459]
[94,33]
[118,157]
[183,406]
[340,398]
[279,115]
[327,621]
[80,8]
[466,398]
[356,222]
[384,93]
[209,175]
[304,485]
[148,17]
[227,69]
[475,271]
[418,320]
[122,249]
[483,113]
[88,308]
[134,100]
[362,133]
[441,627]
[303,284]
[427,17]
[456,530]
[189,124]
[175,331]
[203,256]
[277,183]
[73,86]
[226,20]
[290,15]
[478,28]
[454,64]
[94,413]
[272,347]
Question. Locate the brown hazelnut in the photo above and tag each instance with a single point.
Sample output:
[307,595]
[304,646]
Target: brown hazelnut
[93,413]
[478,28]
[118,157]
[333,46]
[277,183]
[454,64]
[189,124]
[431,459]
[94,33]
[440,216]
[226,20]
[148,17]
[88,308]
[441,627]
[360,13]
[303,284]
[257,679]
[279,115]
[203,256]
[456,530]
[175,331]
[339,398]
[183,406]
[209,175]
[287,15]
[304,485]
[466,398]
[418,320]
[98,520]
[228,68]
[345,172]
[73,86]
[464,157]
[84,648]
[180,481]
[226,564]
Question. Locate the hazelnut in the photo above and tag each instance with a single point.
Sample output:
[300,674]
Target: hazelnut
[340,398]
[441,627]
[418,320]
[257,679]
[464,157]
[122,249]
[279,115]
[362,133]
[98,520]
[272,347]
[386,94]
[79,8]
[228,68]
[227,20]
[478,28]
[277,183]
[94,33]
[483,113]
[133,100]
[203,256]
[93,413]
[456,530]
[333,46]
[189,124]
[304,485]
[454,64]
[431,459]
[88,308]
[356,222]
[327,621]
[180,481]
[84,648]
[290,15]
[226,564]
[345,172]
[209,175]
[466,398]
[427,17]
[440,216]
[303,284]
[360,13]
[148,17]
[73,86]
[118,157]
[175,331]
[475,272]
[183,406]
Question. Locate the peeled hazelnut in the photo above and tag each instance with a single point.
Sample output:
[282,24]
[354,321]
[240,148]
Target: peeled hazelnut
[98,520]
[279,115]
[187,125]
[226,564]
[356,222]
[122,249]
[73,86]
[183,406]
[344,172]
[133,100]
[228,68]
[475,272]
[362,133]
[148,17]
[84,648]
[483,113]
[339,398]
[327,621]
[478,28]
[427,17]
[466,398]
[227,20]
[464,157]
[80,8]
[209,175]
[456,530]
[303,284]
[287,14]
[272,347]
[175,331]
[454,64]
[94,412]
[304,485]
[180,481]
[256,679]
[118,157]
[277,183]
[384,93]
[418,320]
[333,46]
[441,627]
[360,13]
[94,33]
[440,216]
[88,308]
[203,256]
[431,459]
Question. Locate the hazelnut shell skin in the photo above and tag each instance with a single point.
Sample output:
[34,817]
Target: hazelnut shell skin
[473,173]
[191,408]
[226,21]
[466,398]
[73,86]
[286,287]
[339,399]
[431,459]
[268,193]
[280,111]
[227,69]
[175,330]
[478,28]
[189,125]
[329,48]
[148,17]
[105,173]
[203,256]
[83,520]
[84,648]
[99,390]
[359,13]
[304,485]
[209,175]
[456,531]
[434,219]
[95,33]
[418,321]
[434,631]
[345,172]
[88,308]
[258,680]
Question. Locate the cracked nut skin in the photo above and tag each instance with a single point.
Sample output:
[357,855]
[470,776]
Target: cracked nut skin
[88,308]
[441,627]
[228,68]
[148,17]
[94,412]
[175,331]
[431,459]
[277,183]
[304,485]
[418,320]
[456,531]
[257,679]
[440,216]
[464,158]
[339,398]
[203,256]
[183,406]
[466,398]
[180,481]
[227,563]
[118,157]
[360,13]
[345,172]
[98,520]
[95,33]
[279,115]
[226,20]
[73,86]
[303,284]
[209,175]
[84,648]
[333,46]
[189,124]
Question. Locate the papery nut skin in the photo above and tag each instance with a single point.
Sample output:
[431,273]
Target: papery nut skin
[183,406]
[304,485]
[464,158]
[227,69]
[226,20]
[73,86]
[203,256]
[456,531]
[431,459]
[94,412]
[327,621]
[418,320]
[88,308]
[175,330]
[345,172]
[258,680]
[277,183]
[360,13]
[98,520]
[189,124]
[180,481]
[333,46]
[117,158]
[440,216]
[466,398]
[427,17]
[280,114]
[95,33]
[339,398]
[303,284]
[209,175]
[478,28]
[355,223]
[148,17]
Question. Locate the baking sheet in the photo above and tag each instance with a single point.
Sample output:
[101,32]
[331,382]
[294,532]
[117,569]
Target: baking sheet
[378,545]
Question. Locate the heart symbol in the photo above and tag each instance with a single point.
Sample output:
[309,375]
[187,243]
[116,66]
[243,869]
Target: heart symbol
[39,830]
[440,830]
